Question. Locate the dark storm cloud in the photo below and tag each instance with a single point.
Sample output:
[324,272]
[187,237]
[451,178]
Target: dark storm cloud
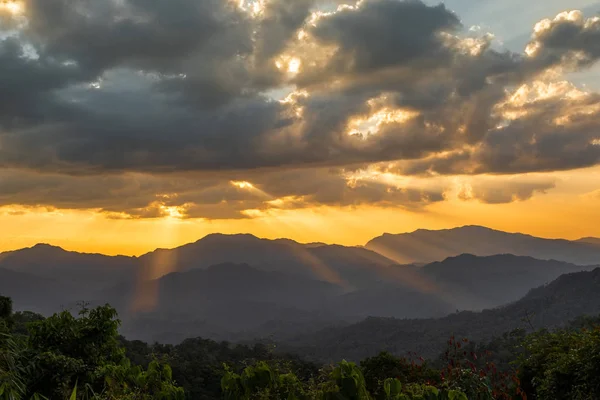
[158,36]
[130,195]
[148,196]
[383,33]
[203,40]
[93,91]
[281,21]
[336,187]
[557,133]
[534,144]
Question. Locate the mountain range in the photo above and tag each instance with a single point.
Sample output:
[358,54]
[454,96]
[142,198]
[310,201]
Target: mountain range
[428,246]
[241,286]
[548,306]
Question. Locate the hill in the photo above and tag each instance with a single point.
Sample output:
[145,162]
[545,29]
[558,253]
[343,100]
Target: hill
[239,301]
[241,287]
[428,246]
[93,270]
[346,266]
[474,283]
[590,240]
[217,302]
[32,293]
[548,306]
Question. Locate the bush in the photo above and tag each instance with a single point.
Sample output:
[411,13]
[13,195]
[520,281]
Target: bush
[562,365]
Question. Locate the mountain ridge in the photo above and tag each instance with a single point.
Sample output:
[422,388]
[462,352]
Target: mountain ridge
[424,245]
[548,306]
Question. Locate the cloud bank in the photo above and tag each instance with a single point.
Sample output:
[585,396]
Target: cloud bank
[223,109]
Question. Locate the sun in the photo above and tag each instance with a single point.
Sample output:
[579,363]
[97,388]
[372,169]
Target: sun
[13,7]
[294,66]
[243,185]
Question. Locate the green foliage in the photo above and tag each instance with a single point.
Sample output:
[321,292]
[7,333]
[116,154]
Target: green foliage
[346,383]
[261,382]
[392,388]
[67,349]
[13,385]
[83,358]
[5,307]
[6,321]
[127,382]
[562,365]
[197,363]
[22,320]
[77,358]
[385,365]
[475,375]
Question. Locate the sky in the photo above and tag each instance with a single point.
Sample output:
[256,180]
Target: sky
[127,125]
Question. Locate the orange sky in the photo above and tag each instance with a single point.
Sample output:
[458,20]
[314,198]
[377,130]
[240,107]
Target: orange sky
[336,128]
[571,210]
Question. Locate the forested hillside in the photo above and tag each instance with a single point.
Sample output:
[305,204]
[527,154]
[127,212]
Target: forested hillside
[82,357]
[549,306]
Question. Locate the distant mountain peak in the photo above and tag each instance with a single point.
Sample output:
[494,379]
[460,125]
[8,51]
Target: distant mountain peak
[590,240]
[505,256]
[226,236]
[46,246]
[434,245]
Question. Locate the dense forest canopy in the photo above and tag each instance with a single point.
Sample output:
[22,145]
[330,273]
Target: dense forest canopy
[82,356]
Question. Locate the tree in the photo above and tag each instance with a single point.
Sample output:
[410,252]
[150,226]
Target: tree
[80,357]
[562,365]
[261,382]
[385,365]
[5,314]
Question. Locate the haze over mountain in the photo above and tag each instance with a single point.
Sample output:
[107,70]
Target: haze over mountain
[136,127]
[237,286]
[93,270]
[552,305]
[338,264]
[428,246]
[590,240]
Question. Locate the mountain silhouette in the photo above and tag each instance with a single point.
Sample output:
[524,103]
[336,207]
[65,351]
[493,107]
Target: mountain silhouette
[225,298]
[33,293]
[236,286]
[345,266]
[590,240]
[549,306]
[93,270]
[428,246]
[469,280]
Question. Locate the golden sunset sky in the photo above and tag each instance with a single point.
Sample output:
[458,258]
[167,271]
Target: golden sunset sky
[127,125]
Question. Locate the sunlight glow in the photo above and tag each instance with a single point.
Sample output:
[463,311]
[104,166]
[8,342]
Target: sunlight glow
[294,66]
[291,65]
[242,185]
[13,7]
[292,100]
[518,104]
[254,8]
[373,123]
[172,212]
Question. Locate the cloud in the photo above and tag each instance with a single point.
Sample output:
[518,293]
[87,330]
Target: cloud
[594,196]
[133,196]
[542,127]
[149,109]
[377,34]
[569,39]
[500,191]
